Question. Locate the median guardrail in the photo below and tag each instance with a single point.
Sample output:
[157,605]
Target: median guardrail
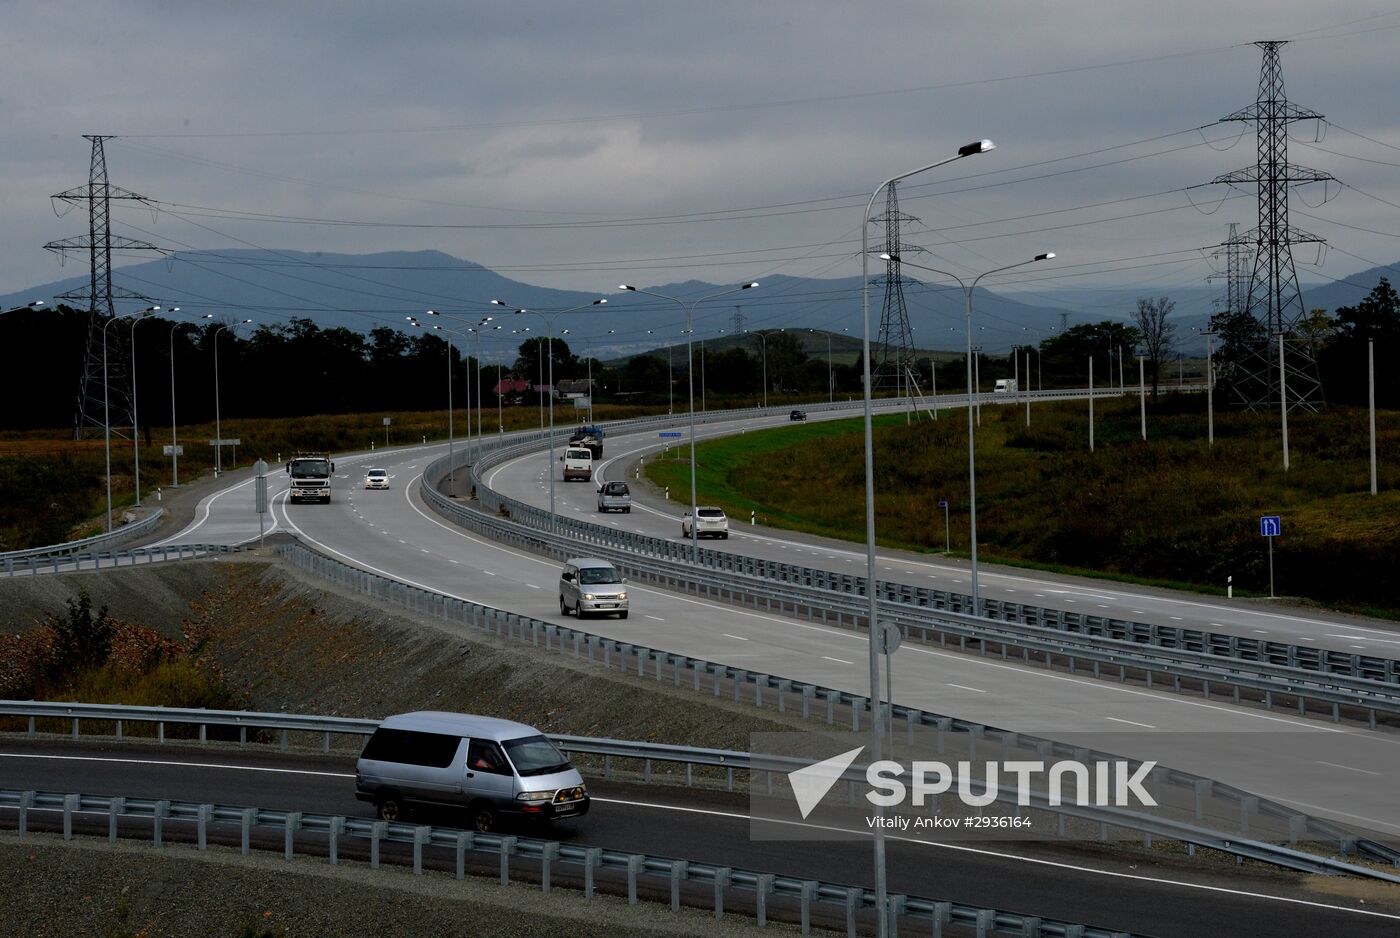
[774,895]
[102,560]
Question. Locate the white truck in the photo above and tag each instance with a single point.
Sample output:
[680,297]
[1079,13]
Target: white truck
[311,478]
[1005,386]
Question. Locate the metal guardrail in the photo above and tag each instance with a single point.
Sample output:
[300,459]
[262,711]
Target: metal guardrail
[106,539]
[812,701]
[56,563]
[1150,826]
[773,893]
[1237,653]
[838,598]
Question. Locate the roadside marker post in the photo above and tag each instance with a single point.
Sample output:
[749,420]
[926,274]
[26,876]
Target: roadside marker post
[947,538]
[260,496]
[1270,527]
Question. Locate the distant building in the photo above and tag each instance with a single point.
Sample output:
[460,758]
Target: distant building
[511,386]
[572,388]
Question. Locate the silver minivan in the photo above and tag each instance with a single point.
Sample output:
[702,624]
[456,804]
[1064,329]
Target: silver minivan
[494,768]
[590,585]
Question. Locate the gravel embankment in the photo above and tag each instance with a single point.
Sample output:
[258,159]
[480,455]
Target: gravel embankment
[49,887]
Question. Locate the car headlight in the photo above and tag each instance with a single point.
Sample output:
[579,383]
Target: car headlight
[621,595]
[534,796]
[588,596]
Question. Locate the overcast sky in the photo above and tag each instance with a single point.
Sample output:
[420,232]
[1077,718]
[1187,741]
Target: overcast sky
[578,145]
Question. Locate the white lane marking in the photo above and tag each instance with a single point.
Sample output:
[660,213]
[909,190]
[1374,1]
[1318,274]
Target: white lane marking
[1146,726]
[837,660]
[1362,638]
[532,586]
[1055,864]
[425,550]
[975,690]
[739,637]
[172,763]
[1175,618]
[657,618]
[1349,768]
[458,562]
[402,541]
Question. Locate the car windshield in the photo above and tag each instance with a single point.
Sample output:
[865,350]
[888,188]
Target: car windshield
[311,468]
[377,473]
[592,575]
[535,755]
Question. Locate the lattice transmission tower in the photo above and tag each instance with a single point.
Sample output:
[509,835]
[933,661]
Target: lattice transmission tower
[894,357]
[1272,298]
[99,243]
[1236,251]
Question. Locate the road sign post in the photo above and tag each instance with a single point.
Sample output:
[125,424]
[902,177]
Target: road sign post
[260,496]
[947,537]
[1270,527]
[387,422]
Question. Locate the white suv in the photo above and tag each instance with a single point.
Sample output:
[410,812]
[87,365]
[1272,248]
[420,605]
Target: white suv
[712,523]
[377,479]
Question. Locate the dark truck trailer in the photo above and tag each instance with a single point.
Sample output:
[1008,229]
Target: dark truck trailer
[589,437]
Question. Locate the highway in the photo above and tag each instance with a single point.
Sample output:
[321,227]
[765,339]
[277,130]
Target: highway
[1165,898]
[1338,771]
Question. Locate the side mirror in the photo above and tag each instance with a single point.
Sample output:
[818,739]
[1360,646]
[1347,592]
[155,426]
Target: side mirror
[561,458]
[332,467]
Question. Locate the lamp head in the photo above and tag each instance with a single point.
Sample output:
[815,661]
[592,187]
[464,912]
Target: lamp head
[1046,256]
[599,302]
[749,286]
[889,257]
[980,146]
[623,286]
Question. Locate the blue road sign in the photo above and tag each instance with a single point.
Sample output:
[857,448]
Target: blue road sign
[669,434]
[1270,526]
[942,503]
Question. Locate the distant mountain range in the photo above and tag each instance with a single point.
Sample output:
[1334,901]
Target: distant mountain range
[362,291]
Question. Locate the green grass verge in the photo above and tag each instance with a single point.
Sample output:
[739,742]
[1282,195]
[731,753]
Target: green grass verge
[1172,511]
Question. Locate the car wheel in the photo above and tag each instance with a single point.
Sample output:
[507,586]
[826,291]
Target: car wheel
[725,536]
[627,510]
[563,609]
[622,614]
[389,807]
[483,817]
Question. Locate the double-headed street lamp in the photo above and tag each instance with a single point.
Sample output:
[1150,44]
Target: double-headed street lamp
[549,318]
[876,728]
[218,425]
[451,355]
[174,435]
[689,309]
[670,382]
[106,400]
[971,449]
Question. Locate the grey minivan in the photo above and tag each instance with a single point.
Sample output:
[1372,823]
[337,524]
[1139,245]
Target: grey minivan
[590,584]
[494,768]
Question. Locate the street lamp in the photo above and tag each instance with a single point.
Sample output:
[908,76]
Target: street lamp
[135,433]
[549,327]
[876,732]
[763,337]
[218,426]
[174,436]
[32,305]
[587,353]
[971,449]
[689,309]
[106,404]
[670,382]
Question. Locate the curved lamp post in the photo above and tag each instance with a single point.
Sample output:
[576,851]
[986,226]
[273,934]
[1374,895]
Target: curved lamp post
[174,435]
[106,400]
[218,425]
[876,728]
[689,309]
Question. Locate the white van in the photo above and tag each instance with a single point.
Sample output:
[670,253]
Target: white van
[1005,386]
[578,464]
[494,768]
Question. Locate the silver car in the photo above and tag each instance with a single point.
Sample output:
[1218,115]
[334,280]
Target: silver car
[588,585]
[615,496]
[377,479]
[494,768]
